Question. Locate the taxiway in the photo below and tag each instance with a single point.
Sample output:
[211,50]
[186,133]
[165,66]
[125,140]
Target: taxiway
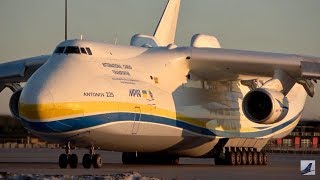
[44,161]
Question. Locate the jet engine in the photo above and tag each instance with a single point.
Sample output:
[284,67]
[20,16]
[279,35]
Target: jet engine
[265,106]
[14,104]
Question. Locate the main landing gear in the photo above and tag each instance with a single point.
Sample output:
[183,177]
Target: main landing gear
[72,159]
[242,157]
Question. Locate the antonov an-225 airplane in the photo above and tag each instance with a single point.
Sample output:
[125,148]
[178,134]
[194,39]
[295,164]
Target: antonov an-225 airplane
[156,102]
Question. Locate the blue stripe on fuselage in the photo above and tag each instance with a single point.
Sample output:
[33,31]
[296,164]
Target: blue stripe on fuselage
[67,125]
[73,124]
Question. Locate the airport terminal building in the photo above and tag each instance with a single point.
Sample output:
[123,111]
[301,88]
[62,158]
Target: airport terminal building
[305,138]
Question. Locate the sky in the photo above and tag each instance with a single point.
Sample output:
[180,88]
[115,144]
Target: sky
[35,27]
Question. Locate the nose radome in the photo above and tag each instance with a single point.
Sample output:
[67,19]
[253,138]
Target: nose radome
[36,102]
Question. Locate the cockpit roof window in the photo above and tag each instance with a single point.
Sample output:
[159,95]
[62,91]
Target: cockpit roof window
[72,50]
[83,51]
[59,50]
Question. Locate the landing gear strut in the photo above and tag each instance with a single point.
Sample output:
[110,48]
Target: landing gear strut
[235,156]
[92,159]
[68,158]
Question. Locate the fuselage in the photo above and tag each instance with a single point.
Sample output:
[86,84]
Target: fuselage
[135,99]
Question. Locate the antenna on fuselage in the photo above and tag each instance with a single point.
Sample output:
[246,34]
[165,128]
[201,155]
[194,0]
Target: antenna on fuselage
[116,39]
[65,19]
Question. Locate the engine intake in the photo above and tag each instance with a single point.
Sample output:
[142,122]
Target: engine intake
[265,106]
[14,104]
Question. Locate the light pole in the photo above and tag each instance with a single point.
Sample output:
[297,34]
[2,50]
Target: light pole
[65,19]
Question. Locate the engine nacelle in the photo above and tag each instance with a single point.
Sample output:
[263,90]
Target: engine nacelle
[265,106]
[205,41]
[14,104]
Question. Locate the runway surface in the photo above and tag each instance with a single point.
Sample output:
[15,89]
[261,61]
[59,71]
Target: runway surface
[44,161]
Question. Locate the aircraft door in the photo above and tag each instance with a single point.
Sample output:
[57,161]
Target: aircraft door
[136,120]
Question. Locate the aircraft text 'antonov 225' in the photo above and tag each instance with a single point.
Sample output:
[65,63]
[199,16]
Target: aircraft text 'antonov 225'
[156,102]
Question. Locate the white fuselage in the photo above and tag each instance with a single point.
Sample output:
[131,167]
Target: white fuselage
[130,99]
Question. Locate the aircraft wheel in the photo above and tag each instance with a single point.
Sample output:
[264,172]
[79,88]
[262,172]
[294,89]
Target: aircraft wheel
[260,158]
[63,161]
[232,158]
[243,158]
[96,161]
[238,158]
[175,161]
[255,158]
[86,161]
[73,161]
[249,157]
[265,159]
[219,161]
[125,158]
[128,158]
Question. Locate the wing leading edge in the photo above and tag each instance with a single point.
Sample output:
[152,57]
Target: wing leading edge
[18,71]
[229,64]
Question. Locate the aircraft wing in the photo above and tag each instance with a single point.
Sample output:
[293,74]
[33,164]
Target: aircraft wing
[229,64]
[20,70]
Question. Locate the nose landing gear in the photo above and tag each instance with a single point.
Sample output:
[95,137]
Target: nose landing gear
[63,161]
[67,158]
[91,158]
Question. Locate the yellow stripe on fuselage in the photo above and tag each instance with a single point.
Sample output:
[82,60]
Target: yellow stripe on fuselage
[78,109]
[58,111]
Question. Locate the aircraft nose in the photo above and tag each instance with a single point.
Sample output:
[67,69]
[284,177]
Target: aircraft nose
[36,103]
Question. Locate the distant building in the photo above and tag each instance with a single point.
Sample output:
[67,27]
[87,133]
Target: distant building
[12,130]
[14,135]
[304,138]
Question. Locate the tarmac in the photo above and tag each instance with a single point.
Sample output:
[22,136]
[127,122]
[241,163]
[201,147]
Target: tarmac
[44,162]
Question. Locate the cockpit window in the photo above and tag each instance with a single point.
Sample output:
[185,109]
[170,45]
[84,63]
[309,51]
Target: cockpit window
[59,50]
[83,51]
[72,50]
[89,51]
